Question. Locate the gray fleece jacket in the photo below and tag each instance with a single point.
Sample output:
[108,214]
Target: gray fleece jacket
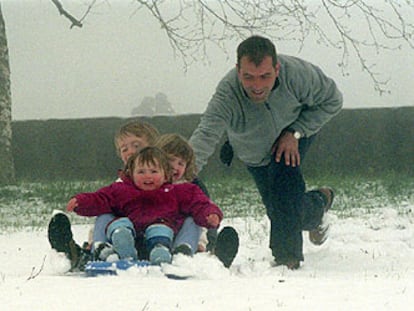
[303,98]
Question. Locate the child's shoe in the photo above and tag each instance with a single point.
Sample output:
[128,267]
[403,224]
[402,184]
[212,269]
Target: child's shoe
[84,258]
[227,246]
[160,254]
[104,252]
[184,249]
[61,239]
[60,233]
[158,239]
[123,243]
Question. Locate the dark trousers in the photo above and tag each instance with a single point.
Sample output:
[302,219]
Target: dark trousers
[289,208]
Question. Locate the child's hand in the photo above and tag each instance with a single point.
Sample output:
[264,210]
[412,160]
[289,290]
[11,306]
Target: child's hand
[213,220]
[72,204]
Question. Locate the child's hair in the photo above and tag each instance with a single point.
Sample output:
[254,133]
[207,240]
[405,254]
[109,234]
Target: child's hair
[149,156]
[178,146]
[137,128]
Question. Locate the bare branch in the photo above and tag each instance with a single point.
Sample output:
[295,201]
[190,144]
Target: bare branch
[63,12]
[89,8]
[194,27]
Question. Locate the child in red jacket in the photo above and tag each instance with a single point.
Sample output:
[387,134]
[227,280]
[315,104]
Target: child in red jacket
[192,237]
[147,205]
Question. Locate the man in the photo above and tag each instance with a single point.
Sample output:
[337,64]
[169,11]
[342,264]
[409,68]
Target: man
[271,106]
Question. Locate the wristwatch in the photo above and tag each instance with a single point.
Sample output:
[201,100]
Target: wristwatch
[295,133]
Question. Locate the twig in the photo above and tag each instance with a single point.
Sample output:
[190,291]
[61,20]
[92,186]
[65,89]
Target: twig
[63,12]
[34,275]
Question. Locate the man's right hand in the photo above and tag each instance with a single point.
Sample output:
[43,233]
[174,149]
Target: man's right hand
[288,146]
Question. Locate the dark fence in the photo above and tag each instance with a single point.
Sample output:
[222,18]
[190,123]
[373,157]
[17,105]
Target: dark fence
[360,141]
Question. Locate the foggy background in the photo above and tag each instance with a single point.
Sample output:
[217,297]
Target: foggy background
[120,57]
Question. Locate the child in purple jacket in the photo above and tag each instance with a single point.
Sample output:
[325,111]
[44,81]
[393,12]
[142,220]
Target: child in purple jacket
[147,205]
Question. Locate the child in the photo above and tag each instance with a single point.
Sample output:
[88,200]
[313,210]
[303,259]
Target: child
[132,137]
[129,138]
[148,206]
[182,161]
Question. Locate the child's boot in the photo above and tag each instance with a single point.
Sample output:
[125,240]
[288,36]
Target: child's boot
[122,235]
[104,251]
[227,246]
[160,254]
[61,239]
[158,240]
[184,249]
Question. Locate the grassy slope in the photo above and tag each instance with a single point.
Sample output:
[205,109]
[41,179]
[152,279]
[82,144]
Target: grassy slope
[31,204]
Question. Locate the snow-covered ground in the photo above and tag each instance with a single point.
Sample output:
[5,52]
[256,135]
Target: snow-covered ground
[367,264]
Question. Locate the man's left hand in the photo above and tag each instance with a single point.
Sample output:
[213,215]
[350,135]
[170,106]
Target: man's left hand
[288,146]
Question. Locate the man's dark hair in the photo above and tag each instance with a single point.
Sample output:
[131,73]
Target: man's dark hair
[256,48]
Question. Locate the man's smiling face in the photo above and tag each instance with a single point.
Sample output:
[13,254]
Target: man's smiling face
[257,81]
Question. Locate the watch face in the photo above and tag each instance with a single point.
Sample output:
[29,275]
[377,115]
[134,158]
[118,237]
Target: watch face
[297,135]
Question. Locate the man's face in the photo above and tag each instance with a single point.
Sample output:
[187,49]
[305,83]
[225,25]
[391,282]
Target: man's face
[257,81]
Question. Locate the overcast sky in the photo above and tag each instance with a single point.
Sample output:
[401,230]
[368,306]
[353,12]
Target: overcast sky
[107,67]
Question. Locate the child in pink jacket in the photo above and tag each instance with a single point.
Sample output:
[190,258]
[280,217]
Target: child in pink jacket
[147,205]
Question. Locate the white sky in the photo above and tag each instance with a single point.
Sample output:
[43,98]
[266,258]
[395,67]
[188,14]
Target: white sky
[107,67]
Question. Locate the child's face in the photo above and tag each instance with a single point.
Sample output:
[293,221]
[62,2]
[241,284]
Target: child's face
[178,165]
[148,177]
[130,144]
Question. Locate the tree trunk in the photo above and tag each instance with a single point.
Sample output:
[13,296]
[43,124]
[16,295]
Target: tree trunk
[6,157]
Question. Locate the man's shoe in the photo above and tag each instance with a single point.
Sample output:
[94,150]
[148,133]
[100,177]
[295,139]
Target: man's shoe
[319,235]
[291,264]
[227,246]
[61,239]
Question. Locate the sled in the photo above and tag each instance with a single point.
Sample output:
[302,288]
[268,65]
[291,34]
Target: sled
[101,268]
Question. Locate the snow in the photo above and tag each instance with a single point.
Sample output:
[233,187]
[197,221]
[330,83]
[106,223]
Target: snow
[366,264]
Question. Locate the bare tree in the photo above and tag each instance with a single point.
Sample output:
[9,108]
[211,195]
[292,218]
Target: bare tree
[6,156]
[157,105]
[356,27]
